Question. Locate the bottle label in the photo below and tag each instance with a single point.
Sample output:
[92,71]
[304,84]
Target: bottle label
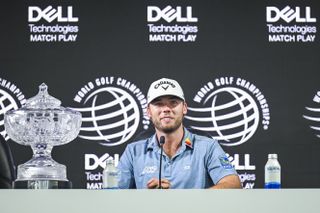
[272,185]
[273,169]
[111,180]
[272,174]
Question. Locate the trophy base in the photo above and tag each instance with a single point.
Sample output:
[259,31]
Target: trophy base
[41,169]
[42,184]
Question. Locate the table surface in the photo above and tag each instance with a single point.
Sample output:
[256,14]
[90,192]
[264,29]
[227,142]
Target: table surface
[154,201]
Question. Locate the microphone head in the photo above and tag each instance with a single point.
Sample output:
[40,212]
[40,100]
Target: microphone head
[162,140]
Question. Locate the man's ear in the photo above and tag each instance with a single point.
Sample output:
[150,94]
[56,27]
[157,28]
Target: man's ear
[185,108]
[148,111]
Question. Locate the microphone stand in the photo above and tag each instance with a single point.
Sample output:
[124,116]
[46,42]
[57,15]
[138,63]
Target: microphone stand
[161,142]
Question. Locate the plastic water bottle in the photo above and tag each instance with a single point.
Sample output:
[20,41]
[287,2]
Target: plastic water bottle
[110,175]
[272,173]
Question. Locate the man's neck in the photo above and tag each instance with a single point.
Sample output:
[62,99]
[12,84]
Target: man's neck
[172,141]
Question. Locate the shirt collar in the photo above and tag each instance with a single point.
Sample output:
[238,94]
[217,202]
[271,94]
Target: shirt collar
[152,143]
[187,141]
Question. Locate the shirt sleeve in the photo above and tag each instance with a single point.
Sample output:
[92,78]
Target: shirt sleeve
[126,180]
[218,164]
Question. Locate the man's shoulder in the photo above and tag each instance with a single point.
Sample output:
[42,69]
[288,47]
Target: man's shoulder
[139,146]
[204,143]
[200,135]
[204,139]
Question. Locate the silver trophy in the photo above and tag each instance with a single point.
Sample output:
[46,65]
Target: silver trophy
[42,124]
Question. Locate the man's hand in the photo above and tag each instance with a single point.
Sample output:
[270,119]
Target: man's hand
[154,184]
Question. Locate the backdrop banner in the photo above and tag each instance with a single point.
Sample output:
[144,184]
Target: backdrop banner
[249,70]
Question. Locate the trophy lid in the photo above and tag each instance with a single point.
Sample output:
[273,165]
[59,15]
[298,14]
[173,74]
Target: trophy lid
[43,100]
[42,120]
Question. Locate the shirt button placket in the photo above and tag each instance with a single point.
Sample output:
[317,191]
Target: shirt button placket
[168,168]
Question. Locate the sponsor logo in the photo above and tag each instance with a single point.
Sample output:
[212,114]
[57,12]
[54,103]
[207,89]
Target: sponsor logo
[52,24]
[225,163]
[149,170]
[244,168]
[169,14]
[312,114]
[230,110]
[288,15]
[93,163]
[171,24]
[167,83]
[290,24]
[113,110]
[49,14]
[186,167]
[11,98]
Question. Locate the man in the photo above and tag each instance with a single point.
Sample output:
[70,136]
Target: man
[188,160]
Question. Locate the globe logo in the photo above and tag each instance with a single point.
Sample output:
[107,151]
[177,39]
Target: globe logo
[312,114]
[6,103]
[231,116]
[113,116]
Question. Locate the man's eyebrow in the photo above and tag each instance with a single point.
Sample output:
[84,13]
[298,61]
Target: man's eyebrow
[170,98]
[155,100]
[174,97]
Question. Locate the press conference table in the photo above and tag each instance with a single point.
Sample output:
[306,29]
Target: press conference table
[156,201]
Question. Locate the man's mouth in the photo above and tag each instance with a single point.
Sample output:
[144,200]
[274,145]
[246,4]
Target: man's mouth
[166,119]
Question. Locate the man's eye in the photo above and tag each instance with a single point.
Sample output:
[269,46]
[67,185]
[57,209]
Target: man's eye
[174,103]
[157,103]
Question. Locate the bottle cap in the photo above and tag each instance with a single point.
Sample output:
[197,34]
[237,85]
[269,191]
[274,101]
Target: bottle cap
[109,161]
[272,156]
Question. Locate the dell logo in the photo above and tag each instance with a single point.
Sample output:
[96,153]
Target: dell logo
[49,14]
[92,161]
[288,14]
[169,14]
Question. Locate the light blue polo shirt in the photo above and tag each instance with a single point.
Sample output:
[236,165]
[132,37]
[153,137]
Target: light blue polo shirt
[199,163]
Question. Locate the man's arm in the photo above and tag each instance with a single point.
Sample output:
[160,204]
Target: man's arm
[222,172]
[228,182]
[126,180]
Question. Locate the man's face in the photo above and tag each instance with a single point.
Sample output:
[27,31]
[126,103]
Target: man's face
[166,113]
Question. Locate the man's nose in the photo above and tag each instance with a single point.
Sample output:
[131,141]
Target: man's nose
[166,107]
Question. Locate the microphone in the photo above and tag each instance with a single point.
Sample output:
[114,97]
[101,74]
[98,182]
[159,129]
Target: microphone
[161,142]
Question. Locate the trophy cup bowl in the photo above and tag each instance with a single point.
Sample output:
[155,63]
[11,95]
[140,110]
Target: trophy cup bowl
[42,124]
